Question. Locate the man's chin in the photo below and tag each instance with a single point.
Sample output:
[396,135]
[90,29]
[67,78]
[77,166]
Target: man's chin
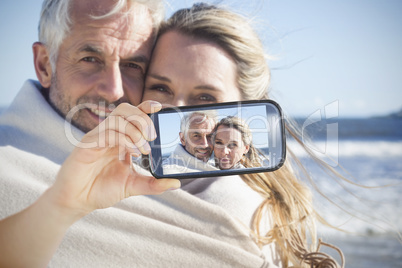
[85,125]
[87,121]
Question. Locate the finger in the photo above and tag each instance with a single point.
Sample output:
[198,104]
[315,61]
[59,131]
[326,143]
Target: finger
[138,117]
[110,138]
[114,138]
[148,185]
[128,135]
[132,133]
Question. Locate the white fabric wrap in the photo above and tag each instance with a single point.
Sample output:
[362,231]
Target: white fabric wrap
[201,225]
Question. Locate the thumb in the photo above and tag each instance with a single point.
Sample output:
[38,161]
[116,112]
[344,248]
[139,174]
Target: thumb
[148,185]
[150,106]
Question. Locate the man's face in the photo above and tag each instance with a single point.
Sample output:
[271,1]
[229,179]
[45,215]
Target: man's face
[101,63]
[197,140]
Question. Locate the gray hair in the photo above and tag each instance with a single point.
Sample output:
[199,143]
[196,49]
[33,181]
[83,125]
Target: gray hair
[206,115]
[55,21]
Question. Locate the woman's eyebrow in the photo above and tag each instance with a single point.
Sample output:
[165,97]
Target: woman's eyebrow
[159,77]
[208,87]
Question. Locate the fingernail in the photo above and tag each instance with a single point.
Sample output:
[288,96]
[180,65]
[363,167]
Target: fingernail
[146,147]
[172,189]
[152,134]
[155,106]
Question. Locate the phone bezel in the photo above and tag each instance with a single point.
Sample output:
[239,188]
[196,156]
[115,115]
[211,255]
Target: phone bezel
[156,151]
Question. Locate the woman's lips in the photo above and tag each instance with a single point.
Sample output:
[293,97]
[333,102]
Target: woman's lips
[225,160]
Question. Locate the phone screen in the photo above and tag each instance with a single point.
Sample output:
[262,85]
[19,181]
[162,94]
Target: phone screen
[218,140]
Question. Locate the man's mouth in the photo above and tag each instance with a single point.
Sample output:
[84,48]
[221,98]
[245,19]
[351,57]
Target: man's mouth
[203,152]
[101,114]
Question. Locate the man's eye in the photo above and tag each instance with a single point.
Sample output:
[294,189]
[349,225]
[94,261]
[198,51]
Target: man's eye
[132,65]
[89,59]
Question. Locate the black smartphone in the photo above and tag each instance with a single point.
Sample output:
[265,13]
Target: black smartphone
[218,140]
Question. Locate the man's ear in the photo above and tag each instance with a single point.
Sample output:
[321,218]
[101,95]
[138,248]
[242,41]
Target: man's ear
[182,140]
[42,65]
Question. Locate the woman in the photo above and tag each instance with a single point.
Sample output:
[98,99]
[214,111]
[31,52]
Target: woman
[208,55]
[233,147]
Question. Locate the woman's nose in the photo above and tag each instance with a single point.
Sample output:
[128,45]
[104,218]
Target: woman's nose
[178,102]
[179,99]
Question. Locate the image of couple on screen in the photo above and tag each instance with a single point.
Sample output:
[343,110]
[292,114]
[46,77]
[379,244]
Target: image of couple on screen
[207,144]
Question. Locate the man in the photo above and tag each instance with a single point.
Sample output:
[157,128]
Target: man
[55,179]
[196,148]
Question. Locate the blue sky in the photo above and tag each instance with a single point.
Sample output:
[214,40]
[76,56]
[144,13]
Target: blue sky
[325,53]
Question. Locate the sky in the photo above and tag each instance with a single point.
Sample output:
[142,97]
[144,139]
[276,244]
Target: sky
[323,54]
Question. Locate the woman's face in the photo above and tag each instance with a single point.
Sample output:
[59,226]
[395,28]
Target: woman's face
[190,71]
[228,147]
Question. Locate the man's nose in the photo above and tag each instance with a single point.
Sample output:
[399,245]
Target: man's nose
[204,141]
[111,85]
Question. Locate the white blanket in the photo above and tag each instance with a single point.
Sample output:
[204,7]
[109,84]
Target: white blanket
[201,225]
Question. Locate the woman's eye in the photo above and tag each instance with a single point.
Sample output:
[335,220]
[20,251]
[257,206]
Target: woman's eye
[207,98]
[158,88]
[232,145]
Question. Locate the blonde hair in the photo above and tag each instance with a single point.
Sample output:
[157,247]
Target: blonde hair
[287,202]
[235,35]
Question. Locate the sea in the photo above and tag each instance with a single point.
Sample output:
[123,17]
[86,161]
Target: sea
[367,204]
[365,212]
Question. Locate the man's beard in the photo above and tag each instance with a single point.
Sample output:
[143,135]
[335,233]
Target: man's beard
[76,113]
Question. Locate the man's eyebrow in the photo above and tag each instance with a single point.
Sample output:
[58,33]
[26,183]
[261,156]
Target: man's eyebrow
[138,59]
[95,50]
[91,49]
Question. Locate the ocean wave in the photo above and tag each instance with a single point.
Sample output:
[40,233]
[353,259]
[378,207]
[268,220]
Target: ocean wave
[350,148]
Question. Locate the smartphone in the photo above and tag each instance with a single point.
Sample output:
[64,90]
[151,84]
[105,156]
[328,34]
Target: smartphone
[218,140]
